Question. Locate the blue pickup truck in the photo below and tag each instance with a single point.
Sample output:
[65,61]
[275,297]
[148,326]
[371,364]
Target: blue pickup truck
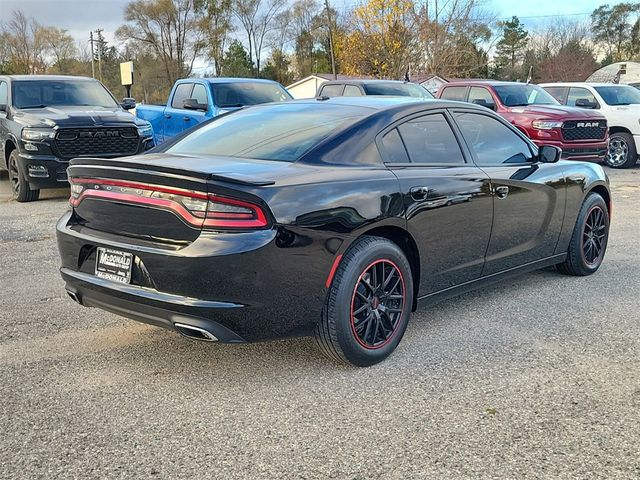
[194,100]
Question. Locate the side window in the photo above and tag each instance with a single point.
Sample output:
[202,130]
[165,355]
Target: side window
[481,96]
[429,139]
[351,91]
[454,93]
[3,93]
[559,93]
[182,93]
[200,94]
[588,100]
[331,90]
[394,148]
[493,142]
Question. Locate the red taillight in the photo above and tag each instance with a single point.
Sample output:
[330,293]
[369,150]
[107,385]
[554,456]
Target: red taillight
[198,209]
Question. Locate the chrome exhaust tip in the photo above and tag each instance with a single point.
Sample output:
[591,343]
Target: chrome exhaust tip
[74,297]
[195,333]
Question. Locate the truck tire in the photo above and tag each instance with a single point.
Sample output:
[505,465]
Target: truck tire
[622,151]
[20,187]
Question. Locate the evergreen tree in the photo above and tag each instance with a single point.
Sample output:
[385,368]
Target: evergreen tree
[511,48]
[236,61]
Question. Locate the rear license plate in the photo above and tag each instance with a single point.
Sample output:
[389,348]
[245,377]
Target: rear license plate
[114,265]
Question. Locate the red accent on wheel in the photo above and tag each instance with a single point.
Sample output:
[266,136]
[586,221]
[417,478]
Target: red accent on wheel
[377,305]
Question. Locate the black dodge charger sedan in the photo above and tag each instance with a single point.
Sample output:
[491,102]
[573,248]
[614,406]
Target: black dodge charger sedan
[332,216]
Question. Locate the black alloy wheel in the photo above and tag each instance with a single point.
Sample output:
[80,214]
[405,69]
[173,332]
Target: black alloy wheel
[368,303]
[593,236]
[377,304]
[588,243]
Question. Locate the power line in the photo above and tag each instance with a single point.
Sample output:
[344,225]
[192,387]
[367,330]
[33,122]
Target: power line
[559,15]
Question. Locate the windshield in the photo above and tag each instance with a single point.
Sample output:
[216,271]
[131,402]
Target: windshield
[248,93]
[47,93]
[619,95]
[282,132]
[523,95]
[397,90]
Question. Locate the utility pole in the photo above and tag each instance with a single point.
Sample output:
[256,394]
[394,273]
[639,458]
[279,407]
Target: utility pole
[100,46]
[329,26]
[93,66]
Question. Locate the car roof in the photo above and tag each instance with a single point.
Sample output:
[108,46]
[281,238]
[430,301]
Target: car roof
[364,81]
[491,83]
[230,80]
[46,77]
[377,102]
[584,84]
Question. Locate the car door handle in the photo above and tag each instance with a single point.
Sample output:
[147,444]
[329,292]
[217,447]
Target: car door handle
[419,193]
[186,119]
[502,191]
[167,115]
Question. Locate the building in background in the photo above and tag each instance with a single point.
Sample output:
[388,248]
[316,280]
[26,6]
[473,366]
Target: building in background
[629,73]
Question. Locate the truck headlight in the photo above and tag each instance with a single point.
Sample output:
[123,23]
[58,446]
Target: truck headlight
[37,134]
[145,131]
[546,124]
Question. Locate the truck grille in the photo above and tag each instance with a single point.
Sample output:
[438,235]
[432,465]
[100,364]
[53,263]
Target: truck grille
[101,141]
[577,130]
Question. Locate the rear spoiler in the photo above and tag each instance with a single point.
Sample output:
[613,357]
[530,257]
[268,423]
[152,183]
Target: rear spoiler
[82,166]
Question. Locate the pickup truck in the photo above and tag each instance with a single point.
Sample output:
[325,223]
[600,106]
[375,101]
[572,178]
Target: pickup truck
[194,100]
[581,134]
[46,120]
[620,104]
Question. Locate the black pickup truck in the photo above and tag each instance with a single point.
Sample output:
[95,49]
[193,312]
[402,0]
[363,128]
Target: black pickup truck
[47,120]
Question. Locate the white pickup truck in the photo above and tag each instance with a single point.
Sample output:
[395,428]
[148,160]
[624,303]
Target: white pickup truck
[620,104]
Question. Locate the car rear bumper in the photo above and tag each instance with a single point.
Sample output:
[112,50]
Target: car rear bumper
[148,306]
[245,286]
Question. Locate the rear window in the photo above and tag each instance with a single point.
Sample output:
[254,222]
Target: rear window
[397,90]
[282,132]
[228,95]
[454,93]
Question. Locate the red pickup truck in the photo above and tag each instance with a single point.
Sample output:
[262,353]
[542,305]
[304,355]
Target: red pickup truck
[581,134]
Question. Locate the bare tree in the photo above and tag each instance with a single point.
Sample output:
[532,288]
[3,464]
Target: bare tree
[171,28]
[217,26]
[25,43]
[257,18]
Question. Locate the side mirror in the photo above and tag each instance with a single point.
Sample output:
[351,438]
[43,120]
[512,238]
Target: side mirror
[192,104]
[128,103]
[549,154]
[585,103]
[483,103]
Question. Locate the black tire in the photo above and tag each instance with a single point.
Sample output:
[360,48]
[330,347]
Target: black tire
[622,151]
[350,338]
[592,227]
[20,187]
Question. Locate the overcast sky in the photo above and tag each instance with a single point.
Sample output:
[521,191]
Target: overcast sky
[79,17]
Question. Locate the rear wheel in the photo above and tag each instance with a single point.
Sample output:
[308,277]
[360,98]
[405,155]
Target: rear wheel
[368,304]
[22,192]
[589,240]
[622,151]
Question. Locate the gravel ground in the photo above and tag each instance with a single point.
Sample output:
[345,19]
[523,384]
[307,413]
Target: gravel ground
[537,377]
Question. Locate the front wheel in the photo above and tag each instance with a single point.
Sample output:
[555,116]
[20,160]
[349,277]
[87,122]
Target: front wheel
[589,240]
[368,305]
[22,192]
[622,151]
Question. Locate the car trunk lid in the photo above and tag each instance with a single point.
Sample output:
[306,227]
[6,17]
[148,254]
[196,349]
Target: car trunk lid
[166,199]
